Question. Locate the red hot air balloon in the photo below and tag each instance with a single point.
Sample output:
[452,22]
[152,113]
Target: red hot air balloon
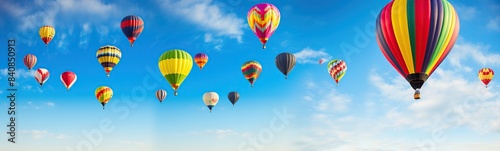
[132,27]
[68,78]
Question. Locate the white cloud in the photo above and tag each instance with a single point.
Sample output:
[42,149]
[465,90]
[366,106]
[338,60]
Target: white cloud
[462,51]
[95,7]
[467,12]
[207,15]
[12,9]
[23,73]
[219,133]
[40,134]
[218,42]
[85,35]
[40,105]
[136,143]
[448,101]
[308,55]
[494,24]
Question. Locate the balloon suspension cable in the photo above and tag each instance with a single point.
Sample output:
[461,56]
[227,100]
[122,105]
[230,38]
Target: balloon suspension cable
[175,93]
[132,44]
[210,111]
[103,105]
[107,74]
[286,76]
[486,86]
[251,85]
[263,46]
[337,84]
[200,68]
[67,90]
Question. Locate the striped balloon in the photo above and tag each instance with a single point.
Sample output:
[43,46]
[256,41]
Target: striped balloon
[175,66]
[201,59]
[29,61]
[263,19]
[251,70]
[160,95]
[103,95]
[485,75]
[132,27]
[42,75]
[415,36]
[108,56]
[337,69]
[46,34]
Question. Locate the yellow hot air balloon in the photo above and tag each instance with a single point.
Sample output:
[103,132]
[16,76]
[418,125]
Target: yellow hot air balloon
[485,75]
[108,56]
[103,94]
[46,34]
[175,66]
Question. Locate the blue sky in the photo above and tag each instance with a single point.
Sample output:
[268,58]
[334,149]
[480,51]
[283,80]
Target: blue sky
[371,109]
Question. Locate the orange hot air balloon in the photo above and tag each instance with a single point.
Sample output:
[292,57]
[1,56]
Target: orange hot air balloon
[201,59]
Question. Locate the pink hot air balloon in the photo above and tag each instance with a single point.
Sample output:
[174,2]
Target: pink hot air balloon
[263,19]
[68,78]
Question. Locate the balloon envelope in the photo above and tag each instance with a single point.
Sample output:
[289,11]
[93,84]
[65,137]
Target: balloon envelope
[285,63]
[29,61]
[132,27]
[175,65]
[485,75]
[108,56]
[47,33]
[251,70]
[201,59]
[103,95]
[337,69]
[42,75]
[68,78]
[263,19]
[210,99]
[416,36]
[233,97]
[160,95]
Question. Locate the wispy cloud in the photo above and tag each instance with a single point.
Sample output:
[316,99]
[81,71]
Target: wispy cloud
[467,12]
[40,134]
[40,105]
[136,143]
[218,133]
[85,35]
[464,51]
[494,24]
[208,16]
[19,73]
[308,55]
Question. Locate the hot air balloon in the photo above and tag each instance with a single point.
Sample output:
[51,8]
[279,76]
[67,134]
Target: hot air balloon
[201,59]
[29,61]
[160,95]
[103,95]
[108,56]
[321,61]
[46,34]
[416,36]
[42,75]
[485,75]
[285,63]
[175,66]
[68,78]
[132,27]
[233,97]
[251,70]
[337,69]
[263,19]
[210,99]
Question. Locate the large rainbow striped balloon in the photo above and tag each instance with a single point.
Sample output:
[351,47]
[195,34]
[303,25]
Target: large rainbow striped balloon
[263,19]
[415,36]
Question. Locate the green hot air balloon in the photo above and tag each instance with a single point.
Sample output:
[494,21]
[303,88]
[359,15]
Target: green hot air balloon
[175,66]
[285,63]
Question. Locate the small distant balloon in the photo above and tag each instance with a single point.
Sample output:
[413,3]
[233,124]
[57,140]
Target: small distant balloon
[161,95]
[201,59]
[68,78]
[233,97]
[42,75]
[132,27]
[47,33]
[29,61]
[103,95]
[210,99]
[486,75]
